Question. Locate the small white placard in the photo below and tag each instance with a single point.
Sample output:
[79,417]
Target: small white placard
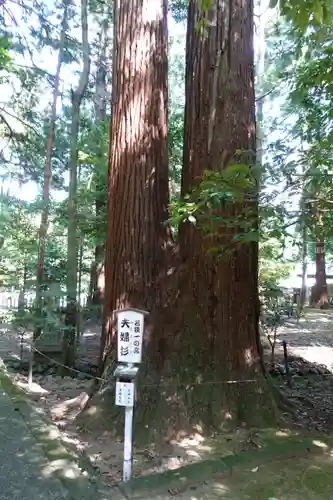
[124,394]
[130,325]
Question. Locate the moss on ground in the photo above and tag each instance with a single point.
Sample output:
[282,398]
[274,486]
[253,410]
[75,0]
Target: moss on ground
[288,466]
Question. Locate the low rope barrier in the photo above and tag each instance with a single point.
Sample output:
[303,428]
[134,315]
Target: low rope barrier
[94,377]
[194,383]
[75,370]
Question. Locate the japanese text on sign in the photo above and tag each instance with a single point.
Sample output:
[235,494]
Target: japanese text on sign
[130,335]
[124,394]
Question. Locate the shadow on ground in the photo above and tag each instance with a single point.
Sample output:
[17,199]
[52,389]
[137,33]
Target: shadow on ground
[35,460]
[250,464]
[287,466]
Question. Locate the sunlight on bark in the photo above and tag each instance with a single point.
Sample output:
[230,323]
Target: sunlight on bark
[151,11]
[248,357]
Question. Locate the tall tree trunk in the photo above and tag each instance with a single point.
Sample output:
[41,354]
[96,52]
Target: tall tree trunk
[219,131]
[138,159]
[97,268]
[72,250]
[42,236]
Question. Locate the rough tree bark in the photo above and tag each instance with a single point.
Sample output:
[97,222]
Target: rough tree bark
[138,159]
[72,246]
[42,236]
[219,131]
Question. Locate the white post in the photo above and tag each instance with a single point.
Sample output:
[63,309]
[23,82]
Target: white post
[127,471]
[130,327]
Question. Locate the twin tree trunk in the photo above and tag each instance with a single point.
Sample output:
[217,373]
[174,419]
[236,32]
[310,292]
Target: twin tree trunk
[202,345]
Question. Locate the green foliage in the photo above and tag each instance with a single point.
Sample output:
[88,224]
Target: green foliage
[299,66]
[305,13]
[175,140]
[19,226]
[213,203]
[178,9]
[176,111]
[5,57]
[216,191]
[273,266]
[276,306]
[276,302]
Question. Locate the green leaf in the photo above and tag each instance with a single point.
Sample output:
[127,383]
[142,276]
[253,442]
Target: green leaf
[275,234]
[318,12]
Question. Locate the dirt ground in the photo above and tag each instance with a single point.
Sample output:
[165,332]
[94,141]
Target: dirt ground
[311,338]
[310,341]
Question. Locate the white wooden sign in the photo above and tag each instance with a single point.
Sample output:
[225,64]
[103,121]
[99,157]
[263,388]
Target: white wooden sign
[130,326]
[124,393]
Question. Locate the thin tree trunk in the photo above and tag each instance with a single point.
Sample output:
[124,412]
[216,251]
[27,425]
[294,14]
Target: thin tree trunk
[319,291]
[79,284]
[304,269]
[96,290]
[79,290]
[304,248]
[42,236]
[76,96]
[97,268]
[21,300]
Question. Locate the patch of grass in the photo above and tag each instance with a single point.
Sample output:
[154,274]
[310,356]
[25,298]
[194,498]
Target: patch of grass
[307,477]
